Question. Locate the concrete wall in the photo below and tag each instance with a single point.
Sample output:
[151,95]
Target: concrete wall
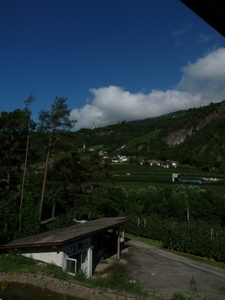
[59,255]
[47,255]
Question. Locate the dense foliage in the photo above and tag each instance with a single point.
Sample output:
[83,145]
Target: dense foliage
[196,238]
[186,218]
[48,179]
[42,175]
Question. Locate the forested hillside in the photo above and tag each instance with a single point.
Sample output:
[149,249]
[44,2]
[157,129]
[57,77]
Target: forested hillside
[194,137]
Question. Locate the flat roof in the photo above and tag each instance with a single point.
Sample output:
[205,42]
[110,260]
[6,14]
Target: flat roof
[211,11]
[67,234]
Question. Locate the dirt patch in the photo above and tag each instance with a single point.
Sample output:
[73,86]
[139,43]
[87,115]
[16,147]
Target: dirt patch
[110,264]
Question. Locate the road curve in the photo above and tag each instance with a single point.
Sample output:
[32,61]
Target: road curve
[162,273]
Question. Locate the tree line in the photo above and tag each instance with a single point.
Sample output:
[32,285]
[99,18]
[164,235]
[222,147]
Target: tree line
[186,218]
[42,175]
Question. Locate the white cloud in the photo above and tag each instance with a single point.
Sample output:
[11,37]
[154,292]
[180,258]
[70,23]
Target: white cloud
[185,29]
[185,36]
[202,38]
[206,76]
[182,35]
[202,82]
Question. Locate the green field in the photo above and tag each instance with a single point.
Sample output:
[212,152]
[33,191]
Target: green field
[136,176]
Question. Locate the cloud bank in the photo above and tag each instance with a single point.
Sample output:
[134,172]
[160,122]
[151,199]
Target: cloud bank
[202,82]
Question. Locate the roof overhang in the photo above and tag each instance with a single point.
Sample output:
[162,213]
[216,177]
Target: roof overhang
[63,236]
[211,11]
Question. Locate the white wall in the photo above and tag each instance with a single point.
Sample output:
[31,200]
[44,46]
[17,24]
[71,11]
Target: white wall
[47,256]
[59,255]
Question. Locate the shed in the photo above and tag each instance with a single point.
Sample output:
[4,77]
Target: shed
[74,248]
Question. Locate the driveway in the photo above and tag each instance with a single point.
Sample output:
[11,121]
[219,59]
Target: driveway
[162,273]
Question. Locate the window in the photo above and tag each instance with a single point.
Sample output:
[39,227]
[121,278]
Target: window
[71,265]
[77,262]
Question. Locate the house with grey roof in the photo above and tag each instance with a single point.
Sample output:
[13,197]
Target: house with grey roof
[74,248]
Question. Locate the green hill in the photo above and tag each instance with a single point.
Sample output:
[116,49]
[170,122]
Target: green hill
[194,137]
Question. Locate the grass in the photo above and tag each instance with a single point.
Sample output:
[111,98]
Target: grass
[143,176]
[143,138]
[157,244]
[117,281]
[16,263]
[192,294]
[4,285]
[54,271]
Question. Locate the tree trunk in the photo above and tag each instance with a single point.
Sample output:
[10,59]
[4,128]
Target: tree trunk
[75,208]
[44,184]
[90,204]
[53,206]
[54,200]
[23,180]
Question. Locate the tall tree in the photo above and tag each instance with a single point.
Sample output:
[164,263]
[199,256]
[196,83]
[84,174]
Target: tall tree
[28,104]
[52,123]
[96,175]
[65,180]
[12,134]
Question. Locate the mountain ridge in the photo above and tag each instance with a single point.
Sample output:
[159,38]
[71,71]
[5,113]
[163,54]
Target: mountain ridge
[195,136]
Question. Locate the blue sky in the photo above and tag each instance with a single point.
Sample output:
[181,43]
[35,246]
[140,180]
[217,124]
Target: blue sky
[114,60]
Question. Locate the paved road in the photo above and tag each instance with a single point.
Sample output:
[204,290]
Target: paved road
[162,273]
